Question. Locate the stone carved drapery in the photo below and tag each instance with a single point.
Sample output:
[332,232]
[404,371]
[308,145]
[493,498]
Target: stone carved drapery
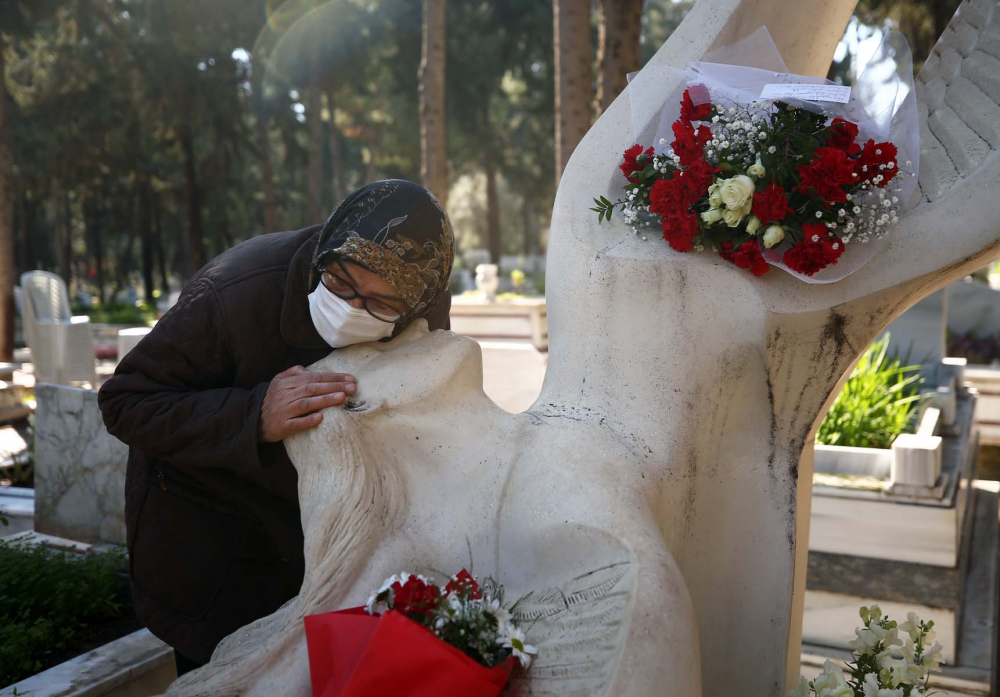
[666,443]
[424,473]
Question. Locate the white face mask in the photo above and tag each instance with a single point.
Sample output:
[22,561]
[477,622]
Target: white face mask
[342,325]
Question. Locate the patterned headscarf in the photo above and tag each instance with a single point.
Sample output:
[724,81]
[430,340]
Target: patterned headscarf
[401,233]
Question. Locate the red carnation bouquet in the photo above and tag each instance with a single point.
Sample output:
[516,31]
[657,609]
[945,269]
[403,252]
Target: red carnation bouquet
[744,180]
[764,169]
[416,639]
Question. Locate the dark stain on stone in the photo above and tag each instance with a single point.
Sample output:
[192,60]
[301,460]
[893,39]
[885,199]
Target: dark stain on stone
[773,436]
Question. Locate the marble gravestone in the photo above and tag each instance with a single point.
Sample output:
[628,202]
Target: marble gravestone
[653,499]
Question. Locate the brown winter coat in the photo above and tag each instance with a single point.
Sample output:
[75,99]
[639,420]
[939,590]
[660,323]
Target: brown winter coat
[212,516]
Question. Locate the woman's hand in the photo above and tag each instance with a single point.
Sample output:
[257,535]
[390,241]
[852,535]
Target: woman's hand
[294,399]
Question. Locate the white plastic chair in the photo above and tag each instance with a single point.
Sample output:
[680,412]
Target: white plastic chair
[62,348]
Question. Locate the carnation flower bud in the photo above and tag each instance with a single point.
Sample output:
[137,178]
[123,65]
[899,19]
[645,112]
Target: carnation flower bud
[773,235]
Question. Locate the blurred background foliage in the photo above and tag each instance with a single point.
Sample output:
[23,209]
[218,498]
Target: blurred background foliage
[142,137]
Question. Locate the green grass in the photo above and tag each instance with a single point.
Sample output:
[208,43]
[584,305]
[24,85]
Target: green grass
[877,404]
[47,597]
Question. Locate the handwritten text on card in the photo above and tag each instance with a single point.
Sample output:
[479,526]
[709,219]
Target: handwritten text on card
[812,93]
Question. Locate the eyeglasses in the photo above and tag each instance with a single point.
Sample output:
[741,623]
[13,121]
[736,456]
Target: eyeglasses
[345,291]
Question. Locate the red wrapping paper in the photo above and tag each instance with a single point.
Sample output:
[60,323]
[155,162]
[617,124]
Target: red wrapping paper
[352,654]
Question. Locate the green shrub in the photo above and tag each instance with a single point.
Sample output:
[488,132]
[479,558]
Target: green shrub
[117,313]
[877,403]
[46,596]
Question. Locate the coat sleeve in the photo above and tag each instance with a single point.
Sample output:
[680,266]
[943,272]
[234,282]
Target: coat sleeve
[172,395]
[440,316]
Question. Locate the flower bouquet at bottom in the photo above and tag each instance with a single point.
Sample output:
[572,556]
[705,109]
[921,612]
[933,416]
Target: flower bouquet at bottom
[415,639]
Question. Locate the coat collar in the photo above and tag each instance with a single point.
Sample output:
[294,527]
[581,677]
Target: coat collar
[296,323]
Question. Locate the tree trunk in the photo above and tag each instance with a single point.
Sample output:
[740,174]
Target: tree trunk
[267,176]
[6,228]
[94,222]
[492,210]
[25,243]
[161,256]
[314,205]
[336,154]
[146,236]
[571,22]
[262,127]
[529,229]
[371,167]
[618,31]
[433,135]
[65,239]
[195,242]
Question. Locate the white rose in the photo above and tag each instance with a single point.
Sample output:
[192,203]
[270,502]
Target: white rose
[756,169]
[733,218]
[773,235]
[714,197]
[711,217]
[737,192]
[753,225]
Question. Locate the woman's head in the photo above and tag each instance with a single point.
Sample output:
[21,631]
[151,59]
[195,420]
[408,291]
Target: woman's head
[387,249]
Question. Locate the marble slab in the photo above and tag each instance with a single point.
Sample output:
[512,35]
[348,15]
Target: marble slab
[79,468]
[135,665]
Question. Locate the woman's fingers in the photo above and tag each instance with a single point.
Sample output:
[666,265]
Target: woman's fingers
[308,405]
[295,395]
[307,378]
[301,424]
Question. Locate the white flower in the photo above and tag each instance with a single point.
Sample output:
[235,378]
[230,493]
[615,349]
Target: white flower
[713,216]
[753,225]
[714,196]
[873,690]
[737,192]
[831,682]
[756,169]
[503,617]
[772,150]
[733,218]
[893,670]
[911,626]
[773,235]
[514,640]
[865,642]
[931,660]
[801,688]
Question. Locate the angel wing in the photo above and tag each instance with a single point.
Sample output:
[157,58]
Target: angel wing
[958,94]
[578,629]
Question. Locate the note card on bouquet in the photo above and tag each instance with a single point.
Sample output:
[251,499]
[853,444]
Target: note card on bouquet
[813,93]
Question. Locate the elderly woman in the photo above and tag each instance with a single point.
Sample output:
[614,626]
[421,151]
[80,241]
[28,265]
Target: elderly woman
[203,402]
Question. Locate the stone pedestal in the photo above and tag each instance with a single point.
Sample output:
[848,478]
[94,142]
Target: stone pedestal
[79,468]
[521,318]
